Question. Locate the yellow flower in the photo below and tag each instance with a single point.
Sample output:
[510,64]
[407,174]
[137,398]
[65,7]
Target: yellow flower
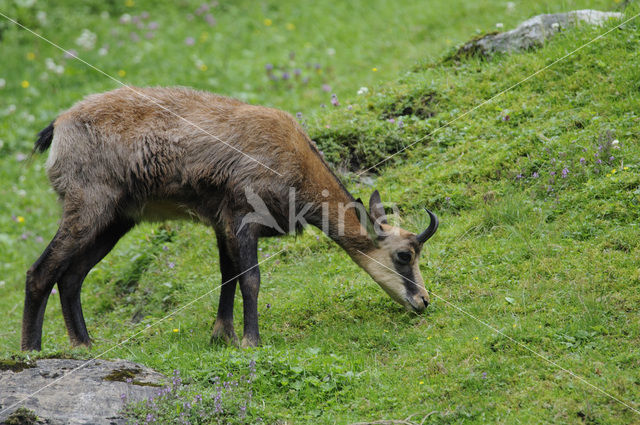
[204,36]
[609,175]
[374,69]
[475,338]
[386,331]
[24,84]
[129,3]
[625,168]
[122,73]
[31,56]
[429,337]
[290,26]
[20,219]
[613,171]
[203,67]
[421,382]
[176,330]
[514,325]
[268,22]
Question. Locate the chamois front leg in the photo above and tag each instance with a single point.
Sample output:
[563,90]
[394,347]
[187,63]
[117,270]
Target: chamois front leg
[223,327]
[247,260]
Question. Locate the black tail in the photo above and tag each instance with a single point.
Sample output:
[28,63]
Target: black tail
[44,139]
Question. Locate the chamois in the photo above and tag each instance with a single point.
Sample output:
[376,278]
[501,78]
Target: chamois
[135,154]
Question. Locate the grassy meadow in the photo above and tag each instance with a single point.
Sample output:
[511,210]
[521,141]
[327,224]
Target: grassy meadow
[538,194]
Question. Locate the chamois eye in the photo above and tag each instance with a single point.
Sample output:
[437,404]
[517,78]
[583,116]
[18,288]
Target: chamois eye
[404,257]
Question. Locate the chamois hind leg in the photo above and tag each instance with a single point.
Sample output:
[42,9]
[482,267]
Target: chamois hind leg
[71,281]
[81,221]
[223,327]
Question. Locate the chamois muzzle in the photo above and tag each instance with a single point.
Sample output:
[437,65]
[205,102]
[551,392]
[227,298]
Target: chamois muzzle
[433,226]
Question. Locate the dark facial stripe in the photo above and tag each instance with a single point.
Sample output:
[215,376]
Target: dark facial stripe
[408,278]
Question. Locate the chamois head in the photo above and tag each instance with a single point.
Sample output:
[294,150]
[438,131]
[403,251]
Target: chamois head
[393,262]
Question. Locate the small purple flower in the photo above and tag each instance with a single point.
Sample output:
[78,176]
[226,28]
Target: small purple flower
[20,157]
[611,158]
[123,397]
[285,76]
[519,176]
[595,155]
[582,161]
[24,236]
[268,67]
[484,375]
[134,37]
[39,239]
[153,25]
[189,41]
[400,123]
[297,72]
[391,120]
[129,380]
[317,66]
[171,264]
[535,175]
[268,306]
[322,105]
[135,19]
[565,172]
[326,87]
[599,161]
[54,291]
[71,53]
[349,107]
[334,100]
[447,198]
[144,15]
[150,418]
[299,115]
[165,248]
[210,20]
[149,35]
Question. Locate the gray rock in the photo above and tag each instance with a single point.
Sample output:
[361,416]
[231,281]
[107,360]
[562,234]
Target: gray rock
[89,395]
[532,32]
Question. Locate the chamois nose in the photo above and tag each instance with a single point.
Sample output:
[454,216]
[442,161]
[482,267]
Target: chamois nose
[425,301]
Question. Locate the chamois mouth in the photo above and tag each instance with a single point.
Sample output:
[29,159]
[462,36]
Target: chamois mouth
[417,306]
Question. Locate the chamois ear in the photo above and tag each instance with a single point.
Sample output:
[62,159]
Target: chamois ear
[376,209]
[365,220]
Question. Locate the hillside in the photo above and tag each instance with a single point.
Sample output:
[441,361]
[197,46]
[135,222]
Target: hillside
[538,194]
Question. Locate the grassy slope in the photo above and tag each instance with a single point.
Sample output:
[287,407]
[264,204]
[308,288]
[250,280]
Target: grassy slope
[554,269]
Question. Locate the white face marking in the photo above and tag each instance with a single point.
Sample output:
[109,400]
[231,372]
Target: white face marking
[380,266]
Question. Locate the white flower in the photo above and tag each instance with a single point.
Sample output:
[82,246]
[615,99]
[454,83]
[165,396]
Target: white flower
[41,16]
[511,6]
[3,83]
[331,51]
[87,39]
[363,90]
[25,3]
[500,25]
[52,66]
[103,51]
[615,143]
[104,14]
[125,19]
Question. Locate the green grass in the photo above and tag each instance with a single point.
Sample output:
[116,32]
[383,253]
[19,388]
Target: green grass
[550,261]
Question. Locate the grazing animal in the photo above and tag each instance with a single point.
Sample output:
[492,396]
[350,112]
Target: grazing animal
[135,154]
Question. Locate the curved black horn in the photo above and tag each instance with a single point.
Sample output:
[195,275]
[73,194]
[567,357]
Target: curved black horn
[433,226]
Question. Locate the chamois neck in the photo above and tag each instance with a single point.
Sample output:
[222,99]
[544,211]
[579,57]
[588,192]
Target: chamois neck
[334,212]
